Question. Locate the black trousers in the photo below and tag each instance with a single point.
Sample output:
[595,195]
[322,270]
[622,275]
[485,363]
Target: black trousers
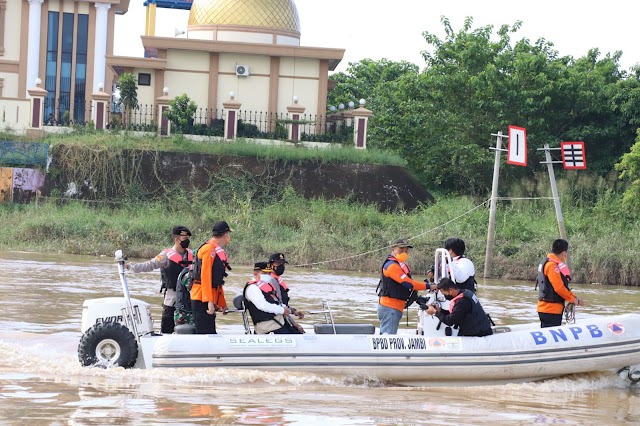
[286,329]
[550,320]
[168,323]
[205,323]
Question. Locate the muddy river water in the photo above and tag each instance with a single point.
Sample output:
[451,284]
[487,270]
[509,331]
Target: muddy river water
[41,381]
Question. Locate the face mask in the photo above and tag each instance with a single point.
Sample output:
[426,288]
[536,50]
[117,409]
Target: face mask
[279,270]
[184,244]
[448,297]
[402,257]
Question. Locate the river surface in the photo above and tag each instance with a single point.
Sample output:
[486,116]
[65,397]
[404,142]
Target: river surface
[42,383]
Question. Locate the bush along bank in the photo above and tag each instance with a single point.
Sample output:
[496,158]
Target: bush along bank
[604,244]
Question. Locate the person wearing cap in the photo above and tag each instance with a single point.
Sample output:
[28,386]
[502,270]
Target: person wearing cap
[461,266]
[263,298]
[209,270]
[171,261]
[277,265]
[396,286]
[465,310]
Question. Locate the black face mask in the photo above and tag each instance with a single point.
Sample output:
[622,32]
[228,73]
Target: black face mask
[279,270]
[184,244]
[448,297]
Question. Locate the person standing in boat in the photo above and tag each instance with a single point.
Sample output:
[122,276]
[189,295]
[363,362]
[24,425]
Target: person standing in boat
[171,261]
[209,271]
[396,286]
[465,310]
[263,297]
[462,267]
[553,285]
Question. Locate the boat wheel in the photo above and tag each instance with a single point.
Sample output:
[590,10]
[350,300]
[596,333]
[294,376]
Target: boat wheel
[108,344]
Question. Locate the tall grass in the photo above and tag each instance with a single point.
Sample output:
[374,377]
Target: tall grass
[241,147]
[334,234]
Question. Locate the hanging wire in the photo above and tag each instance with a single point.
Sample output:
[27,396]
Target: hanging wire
[388,246]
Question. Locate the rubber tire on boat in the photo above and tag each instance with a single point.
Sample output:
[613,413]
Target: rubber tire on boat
[108,344]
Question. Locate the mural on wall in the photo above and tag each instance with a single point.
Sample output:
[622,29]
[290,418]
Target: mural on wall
[18,185]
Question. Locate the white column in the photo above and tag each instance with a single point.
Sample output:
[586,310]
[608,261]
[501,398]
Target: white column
[33,49]
[99,60]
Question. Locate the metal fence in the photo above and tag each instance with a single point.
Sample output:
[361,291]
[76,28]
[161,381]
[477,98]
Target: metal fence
[210,122]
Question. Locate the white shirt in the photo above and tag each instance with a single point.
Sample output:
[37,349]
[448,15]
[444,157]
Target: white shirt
[462,269]
[255,296]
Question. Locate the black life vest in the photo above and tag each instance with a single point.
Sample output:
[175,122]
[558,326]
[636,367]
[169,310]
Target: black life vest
[284,290]
[546,291]
[388,287]
[270,296]
[196,272]
[177,261]
[476,323]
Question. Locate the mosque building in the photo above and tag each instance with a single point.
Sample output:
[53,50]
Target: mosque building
[250,48]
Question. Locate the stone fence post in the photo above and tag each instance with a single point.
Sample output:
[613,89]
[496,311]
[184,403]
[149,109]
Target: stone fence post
[232,110]
[162,106]
[36,119]
[360,128]
[296,111]
[100,101]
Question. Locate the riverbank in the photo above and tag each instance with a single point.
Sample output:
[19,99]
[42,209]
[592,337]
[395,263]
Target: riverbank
[334,234]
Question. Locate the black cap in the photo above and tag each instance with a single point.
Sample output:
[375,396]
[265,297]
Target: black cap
[180,231]
[401,242]
[220,228]
[259,266]
[277,257]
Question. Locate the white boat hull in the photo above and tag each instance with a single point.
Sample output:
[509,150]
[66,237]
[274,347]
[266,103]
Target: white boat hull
[525,355]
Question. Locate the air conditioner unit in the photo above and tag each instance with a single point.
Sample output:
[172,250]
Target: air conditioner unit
[242,70]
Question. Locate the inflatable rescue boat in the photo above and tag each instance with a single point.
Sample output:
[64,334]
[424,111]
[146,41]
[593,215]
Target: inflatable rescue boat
[119,331]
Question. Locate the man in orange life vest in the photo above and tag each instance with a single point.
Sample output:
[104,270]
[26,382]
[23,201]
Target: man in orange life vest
[553,285]
[263,296]
[209,271]
[170,261]
[396,287]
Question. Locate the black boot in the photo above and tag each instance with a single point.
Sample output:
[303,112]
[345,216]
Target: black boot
[167,324]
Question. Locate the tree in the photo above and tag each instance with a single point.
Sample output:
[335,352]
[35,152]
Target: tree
[629,168]
[128,96]
[181,112]
[478,81]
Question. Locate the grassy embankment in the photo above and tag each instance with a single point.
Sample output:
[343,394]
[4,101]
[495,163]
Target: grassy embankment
[605,240]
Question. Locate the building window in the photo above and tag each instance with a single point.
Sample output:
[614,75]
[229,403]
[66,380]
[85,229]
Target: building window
[3,9]
[51,74]
[1,86]
[144,79]
[64,101]
[81,69]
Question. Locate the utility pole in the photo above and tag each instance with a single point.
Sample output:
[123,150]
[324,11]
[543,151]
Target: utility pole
[492,210]
[554,188]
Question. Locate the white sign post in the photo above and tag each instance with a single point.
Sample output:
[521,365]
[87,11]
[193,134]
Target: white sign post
[517,151]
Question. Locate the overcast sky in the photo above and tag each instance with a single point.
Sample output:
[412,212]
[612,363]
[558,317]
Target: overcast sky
[393,29]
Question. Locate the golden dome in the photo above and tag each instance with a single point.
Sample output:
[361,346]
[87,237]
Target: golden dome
[279,15]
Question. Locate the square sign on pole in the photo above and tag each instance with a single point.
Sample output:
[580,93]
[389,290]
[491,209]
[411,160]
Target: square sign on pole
[517,150]
[573,155]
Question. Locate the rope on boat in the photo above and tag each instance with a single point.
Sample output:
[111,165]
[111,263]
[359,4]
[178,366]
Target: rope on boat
[389,246]
[570,313]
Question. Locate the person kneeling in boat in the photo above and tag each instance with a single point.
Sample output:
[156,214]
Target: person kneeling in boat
[465,310]
[263,297]
[553,285]
[396,287]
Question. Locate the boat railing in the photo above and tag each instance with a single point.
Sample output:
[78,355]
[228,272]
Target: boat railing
[328,315]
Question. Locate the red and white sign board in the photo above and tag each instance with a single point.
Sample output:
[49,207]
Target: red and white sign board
[573,155]
[517,150]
